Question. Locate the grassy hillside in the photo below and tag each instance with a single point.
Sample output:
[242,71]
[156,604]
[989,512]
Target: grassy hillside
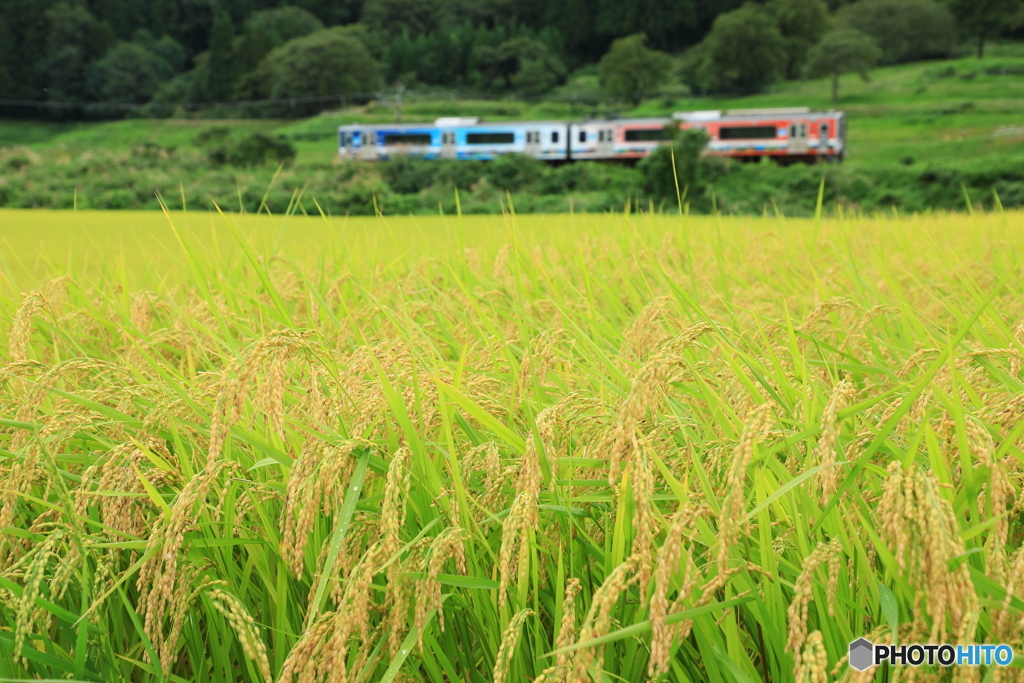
[917,133]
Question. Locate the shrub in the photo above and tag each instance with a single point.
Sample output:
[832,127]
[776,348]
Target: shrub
[692,169]
[513,172]
[254,150]
[408,175]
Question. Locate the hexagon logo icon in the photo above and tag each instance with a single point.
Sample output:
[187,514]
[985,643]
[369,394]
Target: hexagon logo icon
[862,654]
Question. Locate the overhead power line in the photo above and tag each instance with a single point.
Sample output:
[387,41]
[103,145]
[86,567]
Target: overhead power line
[290,102]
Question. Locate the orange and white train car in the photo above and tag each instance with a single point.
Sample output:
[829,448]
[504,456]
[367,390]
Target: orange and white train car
[784,134]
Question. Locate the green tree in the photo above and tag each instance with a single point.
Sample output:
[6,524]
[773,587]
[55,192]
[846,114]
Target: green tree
[329,62]
[906,30]
[166,47]
[802,24]
[744,52]
[843,51]
[332,12]
[524,63]
[23,46]
[219,81]
[194,21]
[265,30]
[128,73]
[76,39]
[983,18]
[660,21]
[393,17]
[630,70]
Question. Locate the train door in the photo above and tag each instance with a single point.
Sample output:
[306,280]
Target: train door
[841,136]
[577,141]
[605,142]
[798,137]
[448,149]
[532,143]
[368,148]
[556,149]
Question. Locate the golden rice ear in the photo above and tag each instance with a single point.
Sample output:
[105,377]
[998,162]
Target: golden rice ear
[918,526]
[598,620]
[646,392]
[798,643]
[841,396]
[1015,358]
[246,629]
[732,518]
[509,641]
[51,297]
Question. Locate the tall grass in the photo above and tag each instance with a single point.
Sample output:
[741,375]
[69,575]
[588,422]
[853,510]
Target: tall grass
[564,448]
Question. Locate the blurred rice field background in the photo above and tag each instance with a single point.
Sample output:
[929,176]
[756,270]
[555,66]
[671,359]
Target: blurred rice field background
[590,447]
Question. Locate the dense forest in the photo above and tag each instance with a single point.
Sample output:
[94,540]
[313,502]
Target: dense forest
[169,53]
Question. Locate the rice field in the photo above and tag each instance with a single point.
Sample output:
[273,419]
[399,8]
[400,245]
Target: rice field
[502,449]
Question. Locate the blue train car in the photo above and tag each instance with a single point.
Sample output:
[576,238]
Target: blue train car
[546,140]
[379,142]
[455,138]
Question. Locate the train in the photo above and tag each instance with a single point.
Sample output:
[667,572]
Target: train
[791,134]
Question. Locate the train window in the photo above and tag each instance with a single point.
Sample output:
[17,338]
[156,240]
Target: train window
[490,138]
[554,136]
[583,136]
[747,132]
[341,139]
[600,136]
[823,134]
[638,135]
[406,139]
[608,135]
[792,131]
[803,130]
